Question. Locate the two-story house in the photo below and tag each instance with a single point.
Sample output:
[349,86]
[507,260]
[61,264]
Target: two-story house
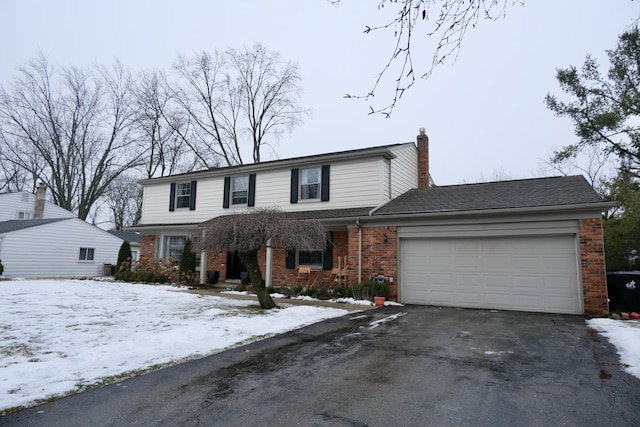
[532,245]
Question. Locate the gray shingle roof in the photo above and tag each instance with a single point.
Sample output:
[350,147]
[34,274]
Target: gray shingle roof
[20,224]
[325,214]
[539,192]
[129,236]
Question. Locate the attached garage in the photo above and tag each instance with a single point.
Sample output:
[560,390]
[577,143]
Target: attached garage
[526,245]
[523,273]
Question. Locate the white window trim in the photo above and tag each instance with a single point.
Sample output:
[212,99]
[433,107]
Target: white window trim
[232,191]
[302,184]
[89,261]
[179,196]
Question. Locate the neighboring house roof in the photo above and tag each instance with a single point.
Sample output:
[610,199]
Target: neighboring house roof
[563,191]
[129,236]
[383,150]
[21,224]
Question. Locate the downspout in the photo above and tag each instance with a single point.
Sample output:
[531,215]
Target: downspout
[359,250]
[268,279]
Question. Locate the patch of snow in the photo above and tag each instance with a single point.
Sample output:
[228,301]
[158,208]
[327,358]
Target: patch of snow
[277,295]
[625,337]
[379,322]
[61,336]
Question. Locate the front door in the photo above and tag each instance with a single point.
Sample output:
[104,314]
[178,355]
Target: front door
[234,266]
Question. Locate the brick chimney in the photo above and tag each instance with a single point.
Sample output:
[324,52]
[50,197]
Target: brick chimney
[41,193]
[423,159]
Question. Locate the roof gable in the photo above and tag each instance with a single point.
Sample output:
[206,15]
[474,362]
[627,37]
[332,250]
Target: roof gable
[526,193]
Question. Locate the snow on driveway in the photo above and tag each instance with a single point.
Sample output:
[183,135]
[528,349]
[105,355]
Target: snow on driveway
[625,337]
[61,336]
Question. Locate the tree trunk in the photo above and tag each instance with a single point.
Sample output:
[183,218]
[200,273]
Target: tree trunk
[250,260]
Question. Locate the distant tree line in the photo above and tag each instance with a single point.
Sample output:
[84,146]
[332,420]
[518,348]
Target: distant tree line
[90,133]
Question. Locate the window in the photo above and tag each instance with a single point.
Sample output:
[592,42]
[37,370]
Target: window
[309,184]
[86,254]
[24,215]
[183,194]
[239,190]
[310,258]
[173,246]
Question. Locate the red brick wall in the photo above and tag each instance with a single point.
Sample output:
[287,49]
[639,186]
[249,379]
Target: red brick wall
[148,246]
[282,276]
[378,257]
[594,279]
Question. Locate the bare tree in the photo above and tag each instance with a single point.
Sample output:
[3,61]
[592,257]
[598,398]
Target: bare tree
[247,233]
[446,20]
[70,130]
[160,126]
[590,161]
[124,200]
[235,101]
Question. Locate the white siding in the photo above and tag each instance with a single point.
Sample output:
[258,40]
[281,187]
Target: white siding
[12,203]
[353,183]
[52,250]
[404,169]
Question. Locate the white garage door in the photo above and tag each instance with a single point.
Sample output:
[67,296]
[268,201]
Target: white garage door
[533,273]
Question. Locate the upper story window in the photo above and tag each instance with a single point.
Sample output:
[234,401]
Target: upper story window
[310,184]
[182,195]
[239,191]
[86,254]
[24,215]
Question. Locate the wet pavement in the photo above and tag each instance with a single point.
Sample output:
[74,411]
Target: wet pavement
[402,366]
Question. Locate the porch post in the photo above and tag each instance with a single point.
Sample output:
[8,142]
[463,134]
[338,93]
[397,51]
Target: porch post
[267,278]
[203,262]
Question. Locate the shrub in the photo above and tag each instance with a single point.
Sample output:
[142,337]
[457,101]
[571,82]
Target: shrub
[363,290]
[124,255]
[158,270]
[380,290]
[342,292]
[188,264]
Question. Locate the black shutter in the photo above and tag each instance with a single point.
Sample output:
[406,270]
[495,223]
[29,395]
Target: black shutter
[192,196]
[324,189]
[251,198]
[327,259]
[172,197]
[227,190]
[290,261]
[294,185]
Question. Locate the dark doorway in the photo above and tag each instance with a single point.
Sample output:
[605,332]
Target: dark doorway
[234,266]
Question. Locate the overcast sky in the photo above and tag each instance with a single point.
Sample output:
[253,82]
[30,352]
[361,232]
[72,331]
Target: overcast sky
[485,114]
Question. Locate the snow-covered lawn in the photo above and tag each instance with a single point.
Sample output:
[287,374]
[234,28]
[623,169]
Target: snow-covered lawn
[63,336]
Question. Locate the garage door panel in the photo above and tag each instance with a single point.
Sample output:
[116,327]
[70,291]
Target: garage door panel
[532,273]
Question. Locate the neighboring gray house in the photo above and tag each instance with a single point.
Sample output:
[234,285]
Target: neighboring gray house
[40,239]
[24,205]
[132,238]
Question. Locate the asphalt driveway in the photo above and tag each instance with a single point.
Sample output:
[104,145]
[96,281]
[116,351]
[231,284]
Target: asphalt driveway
[401,366]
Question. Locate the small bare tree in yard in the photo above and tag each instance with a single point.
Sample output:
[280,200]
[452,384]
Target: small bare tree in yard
[247,233]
